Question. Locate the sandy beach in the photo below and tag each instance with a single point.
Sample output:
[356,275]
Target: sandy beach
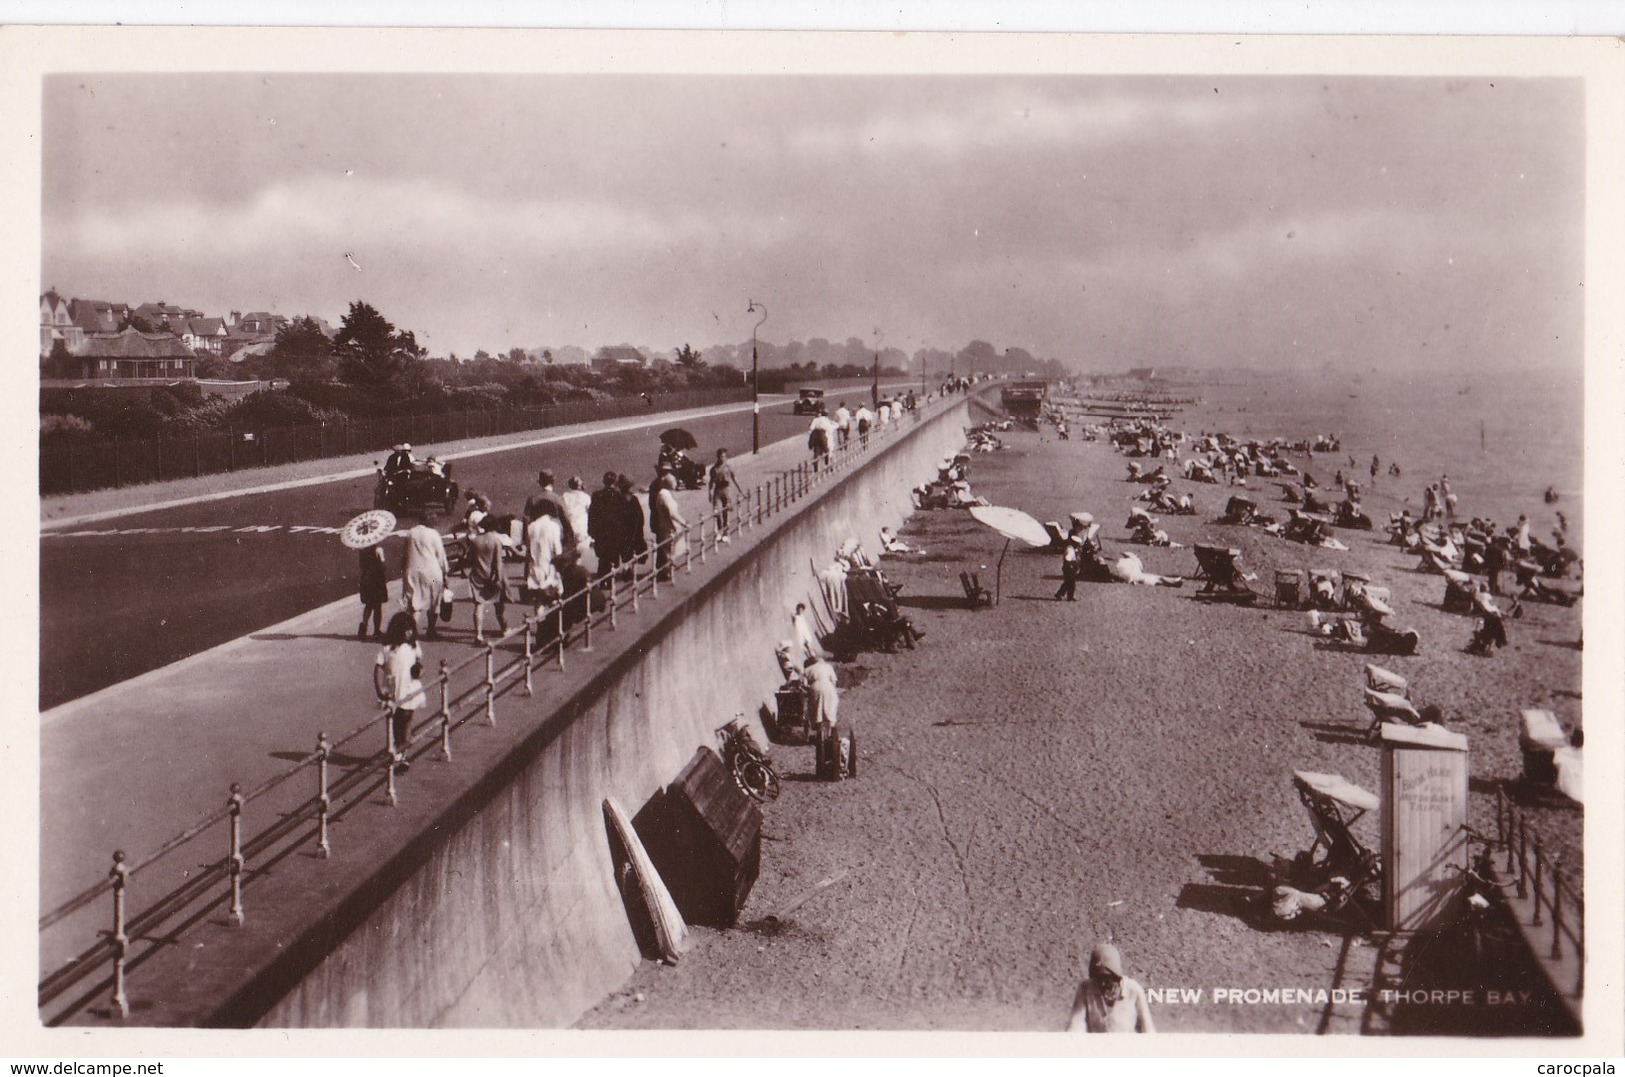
[1042,775]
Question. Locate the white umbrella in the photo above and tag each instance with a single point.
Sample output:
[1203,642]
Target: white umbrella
[368,529]
[1012,524]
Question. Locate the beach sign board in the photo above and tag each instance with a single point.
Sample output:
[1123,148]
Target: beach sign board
[1424,805]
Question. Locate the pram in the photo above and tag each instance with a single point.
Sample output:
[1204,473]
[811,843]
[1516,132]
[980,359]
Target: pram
[1226,582]
[1338,867]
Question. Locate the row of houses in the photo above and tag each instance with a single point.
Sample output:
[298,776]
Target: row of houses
[95,339]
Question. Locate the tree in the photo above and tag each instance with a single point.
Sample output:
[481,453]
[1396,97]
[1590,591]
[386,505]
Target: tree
[373,356]
[688,357]
[517,355]
[302,350]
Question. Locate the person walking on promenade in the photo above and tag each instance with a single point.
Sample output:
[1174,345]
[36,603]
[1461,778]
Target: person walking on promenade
[544,546]
[666,521]
[1108,1001]
[862,420]
[374,591]
[423,574]
[722,484]
[843,423]
[485,576]
[634,528]
[548,500]
[395,678]
[604,525]
[576,503]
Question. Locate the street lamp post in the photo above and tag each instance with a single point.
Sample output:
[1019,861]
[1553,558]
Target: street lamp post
[755,382]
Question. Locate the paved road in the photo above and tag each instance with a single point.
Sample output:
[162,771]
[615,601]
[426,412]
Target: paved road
[117,599]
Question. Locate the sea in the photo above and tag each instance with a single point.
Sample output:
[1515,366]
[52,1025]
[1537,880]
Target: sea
[1503,439]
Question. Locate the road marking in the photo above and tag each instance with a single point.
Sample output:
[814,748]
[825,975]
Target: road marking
[246,529]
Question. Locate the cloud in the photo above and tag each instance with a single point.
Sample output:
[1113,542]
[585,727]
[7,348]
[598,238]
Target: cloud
[1014,117]
[359,214]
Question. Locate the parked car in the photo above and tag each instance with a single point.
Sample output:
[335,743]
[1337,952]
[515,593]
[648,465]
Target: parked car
[811,402]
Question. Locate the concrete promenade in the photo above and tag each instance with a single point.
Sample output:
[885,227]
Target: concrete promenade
[132,766]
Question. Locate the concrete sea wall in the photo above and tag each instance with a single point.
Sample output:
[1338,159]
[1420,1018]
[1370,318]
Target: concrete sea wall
[513,918]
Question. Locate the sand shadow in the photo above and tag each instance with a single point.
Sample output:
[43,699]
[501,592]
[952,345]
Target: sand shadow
[1337,732]
[1568,644]
[1240,903]
[933,602]
[1228,869]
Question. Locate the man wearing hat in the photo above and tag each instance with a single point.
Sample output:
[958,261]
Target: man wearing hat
[400,460]
[1082,533]
[1108,1001]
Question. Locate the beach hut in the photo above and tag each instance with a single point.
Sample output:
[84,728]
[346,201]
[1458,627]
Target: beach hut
[1424,805]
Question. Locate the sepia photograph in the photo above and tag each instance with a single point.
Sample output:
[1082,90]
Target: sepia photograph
[727,533]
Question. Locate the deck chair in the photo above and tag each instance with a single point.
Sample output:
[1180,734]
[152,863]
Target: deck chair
[976,595]
[875,620]
[1325,589]
[1239,510]
[1458,591]
[1057,537]
[1290,590]
[1221,567]
[1334,806]
[1386,680]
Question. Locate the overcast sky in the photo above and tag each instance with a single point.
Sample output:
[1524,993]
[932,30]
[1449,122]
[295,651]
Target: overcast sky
[1106,222]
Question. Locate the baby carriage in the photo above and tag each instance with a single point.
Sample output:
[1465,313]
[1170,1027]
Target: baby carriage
[1337,872]
[1221,567]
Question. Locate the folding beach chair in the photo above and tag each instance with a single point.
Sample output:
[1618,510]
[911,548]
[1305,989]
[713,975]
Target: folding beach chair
[1239,510]
[1290,591]
[1221,567]
[1334,805]
[976,595]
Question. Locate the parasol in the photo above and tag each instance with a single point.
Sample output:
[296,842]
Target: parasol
[368,529]
[679,439]
[1012,523]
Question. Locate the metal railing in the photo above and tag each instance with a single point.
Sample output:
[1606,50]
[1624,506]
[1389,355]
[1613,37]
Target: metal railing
[468,691]
[1539,877]
[128,462]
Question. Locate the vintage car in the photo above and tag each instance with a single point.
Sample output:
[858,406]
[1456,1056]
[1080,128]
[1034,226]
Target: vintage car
[810,402]
[415,489]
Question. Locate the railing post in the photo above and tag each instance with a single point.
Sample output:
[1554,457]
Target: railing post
[1523,856]
[558,628]
[445,711]
[611,603]
[393,750]
[1557,908]
[654,566]
[235,864]
[121,941]
[636,561]
[324,749]
[1539,872]
[586,624]
[490,683]
[702,539]
[688,549]
[1503,825]
[756,502]
[530,651]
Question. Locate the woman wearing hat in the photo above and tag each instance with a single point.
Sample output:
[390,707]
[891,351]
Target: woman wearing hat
[1108,1001]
